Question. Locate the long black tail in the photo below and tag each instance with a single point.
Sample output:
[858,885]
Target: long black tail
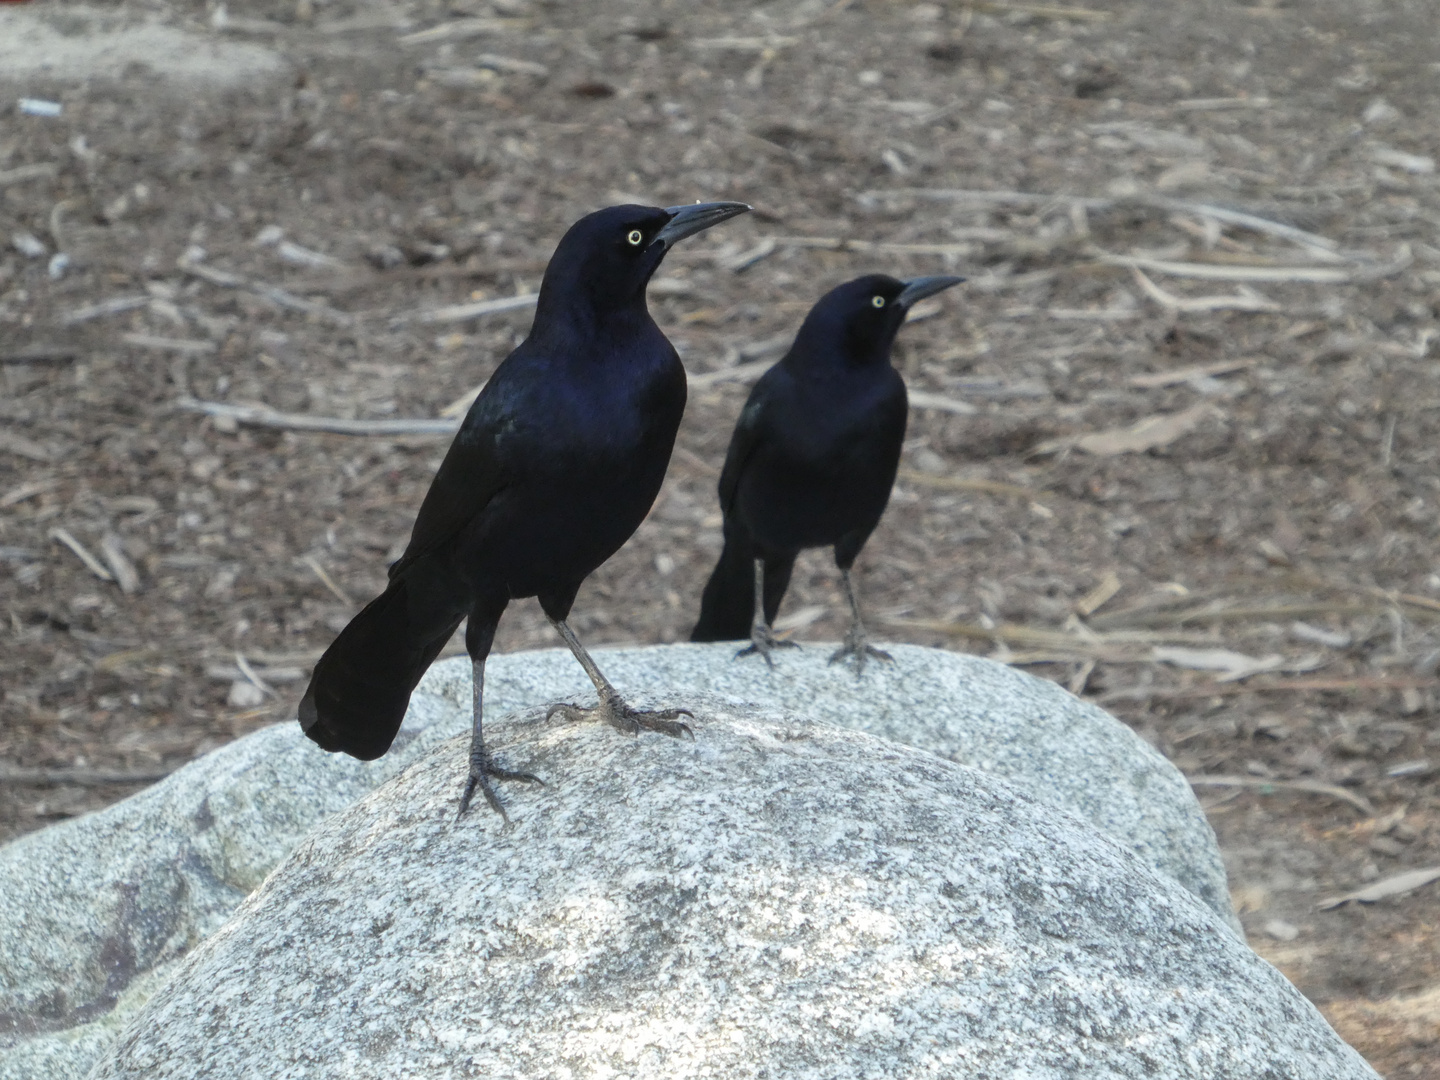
[727,606]
[728,603]
[361,686]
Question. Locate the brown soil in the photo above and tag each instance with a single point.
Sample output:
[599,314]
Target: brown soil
[1297,486]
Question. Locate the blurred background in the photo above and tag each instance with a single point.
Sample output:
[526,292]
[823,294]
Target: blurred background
[1173,445]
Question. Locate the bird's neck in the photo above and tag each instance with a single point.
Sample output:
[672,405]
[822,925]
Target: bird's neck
[603,331]
[835,362]
[823,349]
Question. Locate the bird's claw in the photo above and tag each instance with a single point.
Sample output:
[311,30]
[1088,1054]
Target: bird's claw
[764,642]
[480,772]
[615,712]
[858,647]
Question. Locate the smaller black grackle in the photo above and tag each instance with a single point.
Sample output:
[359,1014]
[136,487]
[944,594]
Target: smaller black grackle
[812,461]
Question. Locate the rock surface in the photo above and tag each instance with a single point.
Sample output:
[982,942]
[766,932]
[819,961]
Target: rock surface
[776,897]
[965,708]
[104,905]
[98,909]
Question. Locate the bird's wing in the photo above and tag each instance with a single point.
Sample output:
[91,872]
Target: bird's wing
[749,434]
[473,471]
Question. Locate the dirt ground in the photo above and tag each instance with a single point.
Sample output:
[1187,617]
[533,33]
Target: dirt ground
[1175,443]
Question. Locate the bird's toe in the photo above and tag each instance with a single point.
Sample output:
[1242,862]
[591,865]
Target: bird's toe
[479,780]
[623,718]
[860,651]
[665,721]
[765,643]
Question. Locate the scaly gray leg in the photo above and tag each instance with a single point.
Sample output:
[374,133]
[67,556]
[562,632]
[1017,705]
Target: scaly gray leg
[482,766]
[612,709]
[762,639]
[857,642]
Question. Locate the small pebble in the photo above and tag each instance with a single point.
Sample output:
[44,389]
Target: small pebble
[244,695]
[40,107]
[1386,846]
[1281,930]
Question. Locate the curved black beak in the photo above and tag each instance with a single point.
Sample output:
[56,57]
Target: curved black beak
[917,289]
[688,220]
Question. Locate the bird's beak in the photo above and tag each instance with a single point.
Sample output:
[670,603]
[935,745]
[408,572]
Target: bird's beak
[688,220]
[917,289]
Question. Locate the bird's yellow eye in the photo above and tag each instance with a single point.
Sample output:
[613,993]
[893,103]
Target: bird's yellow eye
[877,301]
[635,237]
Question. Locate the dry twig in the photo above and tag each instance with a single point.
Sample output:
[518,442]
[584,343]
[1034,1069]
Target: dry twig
[164,344]
[94,565]
[44,170]
[262,416]
[39,354]
[105,308]
[113,551]
[1156,380]
[1312,787]
[1397,885]
[465,312]
[329,583]
[961,483]
[273,293]
[921,399]
[1251,302]
[16,774]
[462,29]
[1297,686]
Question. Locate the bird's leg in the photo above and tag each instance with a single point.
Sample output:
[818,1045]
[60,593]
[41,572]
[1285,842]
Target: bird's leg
[482,765]
[762,638]
[612,708]
[857,642]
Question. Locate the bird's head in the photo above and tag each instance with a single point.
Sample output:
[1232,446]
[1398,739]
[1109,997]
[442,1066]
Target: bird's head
[859,319]
[606,258]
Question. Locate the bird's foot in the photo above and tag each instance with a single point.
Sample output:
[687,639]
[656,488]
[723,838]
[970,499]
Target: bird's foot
[764,642]
[857,647]
[614,711]
[481,769]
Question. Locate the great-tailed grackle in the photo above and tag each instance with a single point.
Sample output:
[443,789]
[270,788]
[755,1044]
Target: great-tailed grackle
[556,464]
[812,461]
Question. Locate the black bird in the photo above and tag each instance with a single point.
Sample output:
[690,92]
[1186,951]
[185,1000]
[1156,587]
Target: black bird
[812,461]
[556,464]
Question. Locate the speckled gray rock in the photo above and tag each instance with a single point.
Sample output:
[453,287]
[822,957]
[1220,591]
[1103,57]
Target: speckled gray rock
[106,903]
[97,910]
[774,898]
[965,708]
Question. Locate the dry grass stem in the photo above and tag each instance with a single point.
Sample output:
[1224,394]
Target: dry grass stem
[461,30]
[250,674]
[39,354]
[961,483]
[104,309]
[94,565]
[1251,302]
[1310,787]
[1157,380]
[1099,596]
[282,298]
[456,313]
[265,417]
[1357,684]
[174,345]
[44,170]
[112,549]
[326,580]
[17,774]
[922,399]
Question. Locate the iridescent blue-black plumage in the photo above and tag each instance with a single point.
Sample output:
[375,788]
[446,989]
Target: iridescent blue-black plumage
[554,467]
[813,457]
